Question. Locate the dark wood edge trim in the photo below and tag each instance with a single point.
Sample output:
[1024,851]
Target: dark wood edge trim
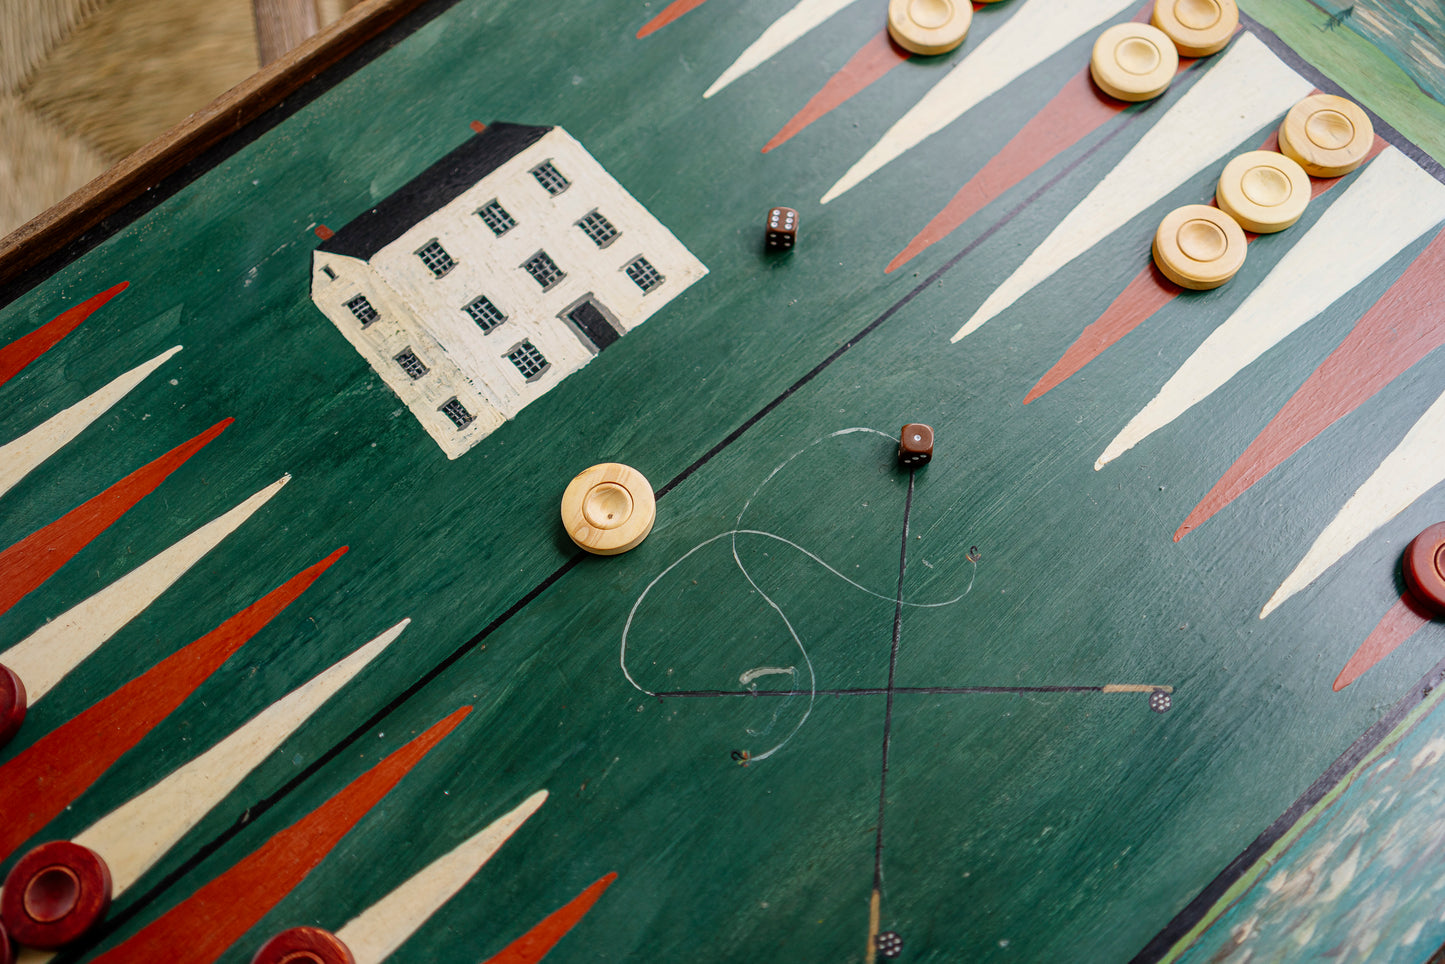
[64,223]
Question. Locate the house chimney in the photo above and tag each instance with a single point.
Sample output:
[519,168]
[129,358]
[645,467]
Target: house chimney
[323,232]
[478,126]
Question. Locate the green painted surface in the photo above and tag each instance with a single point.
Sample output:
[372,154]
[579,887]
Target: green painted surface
[1063,826]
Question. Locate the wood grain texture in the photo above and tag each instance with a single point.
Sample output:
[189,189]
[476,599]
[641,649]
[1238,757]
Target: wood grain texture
[283,24]
[143,170]
[138,67]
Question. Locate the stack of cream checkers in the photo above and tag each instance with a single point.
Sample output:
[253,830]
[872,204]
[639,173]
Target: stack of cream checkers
[1198,246]
[1201,246]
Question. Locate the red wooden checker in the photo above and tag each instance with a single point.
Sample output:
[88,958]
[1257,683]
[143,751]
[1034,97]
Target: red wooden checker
[304,945]
[54,894]
[7,950]
[1424,567]
[12,705]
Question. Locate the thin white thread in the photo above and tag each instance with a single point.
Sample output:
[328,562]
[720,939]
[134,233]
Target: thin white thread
[733,534]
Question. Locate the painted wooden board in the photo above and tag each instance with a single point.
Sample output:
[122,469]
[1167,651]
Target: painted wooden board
[1126,672]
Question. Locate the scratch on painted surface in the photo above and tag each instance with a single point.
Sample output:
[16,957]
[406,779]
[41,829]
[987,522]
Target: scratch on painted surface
[732,534]
[760,671]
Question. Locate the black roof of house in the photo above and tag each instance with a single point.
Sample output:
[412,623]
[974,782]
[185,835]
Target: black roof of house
[432,189]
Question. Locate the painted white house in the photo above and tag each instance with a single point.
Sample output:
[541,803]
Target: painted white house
[497,272]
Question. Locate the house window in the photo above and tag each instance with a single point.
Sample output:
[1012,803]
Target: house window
[544,269]
[496,217]
[484,313]
[435,257]
[411,364]
[362,309]
[528,359]
[326,268]
[641,271]
[551,181]
[598,228]
[457,412]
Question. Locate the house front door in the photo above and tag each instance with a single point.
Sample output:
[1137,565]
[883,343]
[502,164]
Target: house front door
[593,324]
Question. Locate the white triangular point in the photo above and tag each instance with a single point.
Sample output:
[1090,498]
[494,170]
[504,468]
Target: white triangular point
[386,925]
[135,835]
[1035,32]
[1387,207]
[1244,91]
[1415,467]
[19,457]
[44,657]
[778,37]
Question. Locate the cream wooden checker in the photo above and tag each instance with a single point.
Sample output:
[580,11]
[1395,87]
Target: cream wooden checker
[608,508]
[1329,136]
[1133,61]
[929,26]
[1197,27]
[1264,191]
[1199,247]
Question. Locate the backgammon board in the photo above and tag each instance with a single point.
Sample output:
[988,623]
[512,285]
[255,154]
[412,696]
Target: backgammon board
[1127,671]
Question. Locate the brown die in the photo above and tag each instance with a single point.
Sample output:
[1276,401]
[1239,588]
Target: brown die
[915,445]
[782,229]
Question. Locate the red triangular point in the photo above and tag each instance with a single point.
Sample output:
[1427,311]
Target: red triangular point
[1396,626]
[1397,331]
[1075,111]
[537,942]
[876,57]
[43,779]
[204,925]
[24,350]
[670,13]
[34,559]
[1145,295]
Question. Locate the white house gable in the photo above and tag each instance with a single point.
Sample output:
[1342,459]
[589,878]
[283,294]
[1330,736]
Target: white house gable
[487,293]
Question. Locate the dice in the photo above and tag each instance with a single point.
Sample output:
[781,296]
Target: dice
[915,445]
[782,230]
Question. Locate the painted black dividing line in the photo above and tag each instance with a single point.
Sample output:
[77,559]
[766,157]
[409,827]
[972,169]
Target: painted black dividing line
[884,690]
[122,917]
[893,309]
[1200,906]
[888,710]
